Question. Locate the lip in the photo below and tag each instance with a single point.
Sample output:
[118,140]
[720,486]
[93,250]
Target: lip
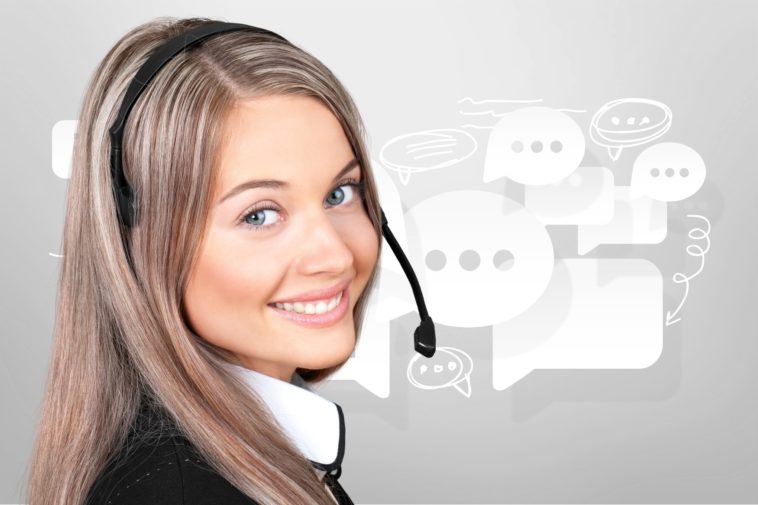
[318,320]
[318,294]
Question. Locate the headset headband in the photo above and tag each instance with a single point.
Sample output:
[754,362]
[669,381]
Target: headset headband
[126,202]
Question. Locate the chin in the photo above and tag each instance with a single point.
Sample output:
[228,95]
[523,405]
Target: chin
[334,357]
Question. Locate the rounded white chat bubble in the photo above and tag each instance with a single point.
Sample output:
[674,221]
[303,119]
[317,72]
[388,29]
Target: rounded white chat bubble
[667,172]
[533,145]
[482,257]
[63,136]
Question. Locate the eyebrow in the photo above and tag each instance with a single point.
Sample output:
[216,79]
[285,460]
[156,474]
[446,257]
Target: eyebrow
[277,184]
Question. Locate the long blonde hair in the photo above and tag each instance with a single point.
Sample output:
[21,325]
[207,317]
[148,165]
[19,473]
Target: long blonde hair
[119,338]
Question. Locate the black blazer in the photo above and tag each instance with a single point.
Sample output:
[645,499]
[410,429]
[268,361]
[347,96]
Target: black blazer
[163,468]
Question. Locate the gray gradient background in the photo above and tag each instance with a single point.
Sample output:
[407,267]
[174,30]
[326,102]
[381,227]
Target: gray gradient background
[682,430]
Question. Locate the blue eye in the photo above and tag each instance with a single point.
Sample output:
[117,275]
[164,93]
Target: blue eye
[257,211]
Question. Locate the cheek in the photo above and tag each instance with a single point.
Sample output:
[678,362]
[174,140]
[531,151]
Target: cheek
[364,244]
[226,292]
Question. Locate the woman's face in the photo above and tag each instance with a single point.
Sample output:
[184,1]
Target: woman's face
[311,232]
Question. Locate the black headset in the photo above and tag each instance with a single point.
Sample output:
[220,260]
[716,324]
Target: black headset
[424,336]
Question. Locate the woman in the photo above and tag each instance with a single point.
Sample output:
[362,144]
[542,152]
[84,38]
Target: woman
[174,382]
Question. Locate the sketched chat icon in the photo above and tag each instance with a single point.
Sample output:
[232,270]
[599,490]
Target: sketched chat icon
[628,122]
[426,150]
[449,367]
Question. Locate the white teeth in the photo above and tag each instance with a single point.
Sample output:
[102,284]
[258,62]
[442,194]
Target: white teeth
[318,307]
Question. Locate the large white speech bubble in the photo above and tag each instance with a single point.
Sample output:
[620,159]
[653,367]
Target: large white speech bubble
[482,257]
[596,313]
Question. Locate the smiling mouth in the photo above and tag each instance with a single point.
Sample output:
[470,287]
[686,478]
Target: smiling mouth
[311,306]
[312,319]
[317,295]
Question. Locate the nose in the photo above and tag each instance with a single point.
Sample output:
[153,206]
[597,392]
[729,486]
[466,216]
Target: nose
[323,246]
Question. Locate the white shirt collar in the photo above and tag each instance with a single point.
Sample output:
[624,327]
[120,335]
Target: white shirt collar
[315,424]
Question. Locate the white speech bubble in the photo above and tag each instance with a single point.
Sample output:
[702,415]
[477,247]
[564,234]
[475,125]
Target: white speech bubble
[63,134]
[533,145]
[584,197]
[635,221]
[481,257]
[596,313]
[667,172]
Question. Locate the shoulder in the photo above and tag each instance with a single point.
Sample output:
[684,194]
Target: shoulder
[162,468]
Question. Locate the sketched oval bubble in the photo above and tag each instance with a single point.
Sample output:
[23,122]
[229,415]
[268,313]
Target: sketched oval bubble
[446,368]
[426,150]
[629,122]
